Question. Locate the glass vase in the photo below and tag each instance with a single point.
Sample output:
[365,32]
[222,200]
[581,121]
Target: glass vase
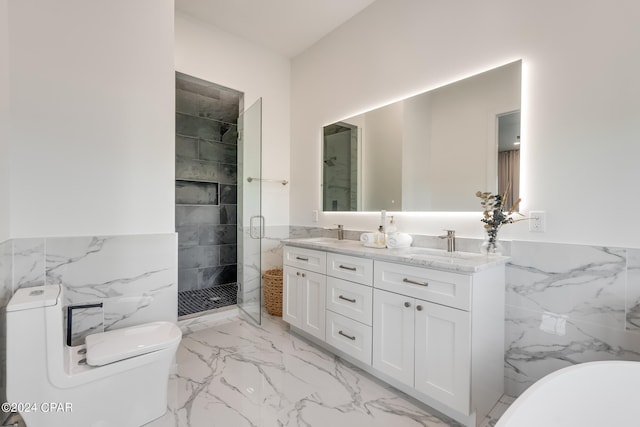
[491,245]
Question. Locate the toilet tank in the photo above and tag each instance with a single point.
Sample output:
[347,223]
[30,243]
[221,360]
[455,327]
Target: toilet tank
[36,297]
[26,312]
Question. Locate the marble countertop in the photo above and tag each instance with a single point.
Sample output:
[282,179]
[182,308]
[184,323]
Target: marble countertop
[463,262]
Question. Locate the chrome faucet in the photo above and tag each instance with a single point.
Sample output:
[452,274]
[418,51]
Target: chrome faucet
[340,232]
[451,240]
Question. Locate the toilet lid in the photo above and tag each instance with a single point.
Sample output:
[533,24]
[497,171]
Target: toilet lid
[111,346]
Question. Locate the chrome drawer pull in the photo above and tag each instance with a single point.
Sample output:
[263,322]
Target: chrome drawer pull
[302,259]
[347,299]
[344,267]
[347,336]
[414,282]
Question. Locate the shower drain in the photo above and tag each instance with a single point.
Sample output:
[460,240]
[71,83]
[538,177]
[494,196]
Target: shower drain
[197,300]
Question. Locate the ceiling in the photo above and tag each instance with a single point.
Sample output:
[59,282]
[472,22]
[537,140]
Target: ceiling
[287,27]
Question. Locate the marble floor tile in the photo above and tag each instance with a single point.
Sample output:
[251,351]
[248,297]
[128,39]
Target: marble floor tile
[240,374]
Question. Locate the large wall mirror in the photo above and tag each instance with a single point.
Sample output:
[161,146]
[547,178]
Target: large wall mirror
[429,152]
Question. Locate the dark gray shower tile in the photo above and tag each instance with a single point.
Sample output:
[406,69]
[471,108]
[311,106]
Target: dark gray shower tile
[228,194]
[229,133]
[187,235]
[232,98]
[218,235]
[203,193]
[216,276]
[198,105]
[227,234]
[228,254]
[186,83]
[228,173]
[195,215]
[198,170]
[200,127]
[218,151]
[198,256]
[228,214]
[186,146]
[187,279]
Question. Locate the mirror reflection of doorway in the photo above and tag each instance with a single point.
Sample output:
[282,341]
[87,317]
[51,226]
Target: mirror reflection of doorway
[509,156]
[340,167]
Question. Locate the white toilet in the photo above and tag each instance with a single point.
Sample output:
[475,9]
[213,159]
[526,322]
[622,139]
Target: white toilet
[118,378]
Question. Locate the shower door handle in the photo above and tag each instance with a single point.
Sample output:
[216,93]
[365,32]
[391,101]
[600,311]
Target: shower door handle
[252,227]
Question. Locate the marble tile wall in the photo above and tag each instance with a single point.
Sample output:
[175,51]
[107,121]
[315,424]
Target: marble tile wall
[206,183]
[133,276]
[568,304]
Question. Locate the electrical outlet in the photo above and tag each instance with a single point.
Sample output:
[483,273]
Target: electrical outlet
[538,221]
[314,215]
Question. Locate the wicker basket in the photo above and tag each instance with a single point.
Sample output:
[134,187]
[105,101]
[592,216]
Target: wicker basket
[273,291]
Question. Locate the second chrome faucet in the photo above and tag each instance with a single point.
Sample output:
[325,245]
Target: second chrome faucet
[451,240]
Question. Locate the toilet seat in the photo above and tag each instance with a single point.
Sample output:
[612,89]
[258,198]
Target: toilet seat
[111,346]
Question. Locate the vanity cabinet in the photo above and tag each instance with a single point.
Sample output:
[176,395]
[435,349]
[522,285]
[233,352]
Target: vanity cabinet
[304,289]
[434,333]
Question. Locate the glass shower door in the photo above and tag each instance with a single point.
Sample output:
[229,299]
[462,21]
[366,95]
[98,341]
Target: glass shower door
[250,219]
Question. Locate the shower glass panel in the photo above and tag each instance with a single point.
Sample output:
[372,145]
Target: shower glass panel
[250,219]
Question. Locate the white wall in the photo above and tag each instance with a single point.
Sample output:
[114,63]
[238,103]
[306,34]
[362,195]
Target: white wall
[92,117]
[5,154]
[214,55]
[579,109]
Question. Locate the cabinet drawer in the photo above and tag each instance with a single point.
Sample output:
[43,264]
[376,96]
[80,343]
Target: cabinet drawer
[350,299]
[355,269]
[307,259]
[441,287]
[349,336]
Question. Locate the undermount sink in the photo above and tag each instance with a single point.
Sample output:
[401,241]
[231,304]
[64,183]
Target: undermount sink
[329,240]
[428,253]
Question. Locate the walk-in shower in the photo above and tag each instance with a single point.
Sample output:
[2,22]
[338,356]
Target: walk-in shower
[208,196]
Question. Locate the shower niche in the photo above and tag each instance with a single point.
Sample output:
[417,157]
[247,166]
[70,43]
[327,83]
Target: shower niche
[206,194]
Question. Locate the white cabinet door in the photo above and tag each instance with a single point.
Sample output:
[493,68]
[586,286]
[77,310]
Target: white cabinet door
[304,300]
[443,359]
[393,335]
[291,297]
[313,287]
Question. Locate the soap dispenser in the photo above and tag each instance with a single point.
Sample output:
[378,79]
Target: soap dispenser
[380,239]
